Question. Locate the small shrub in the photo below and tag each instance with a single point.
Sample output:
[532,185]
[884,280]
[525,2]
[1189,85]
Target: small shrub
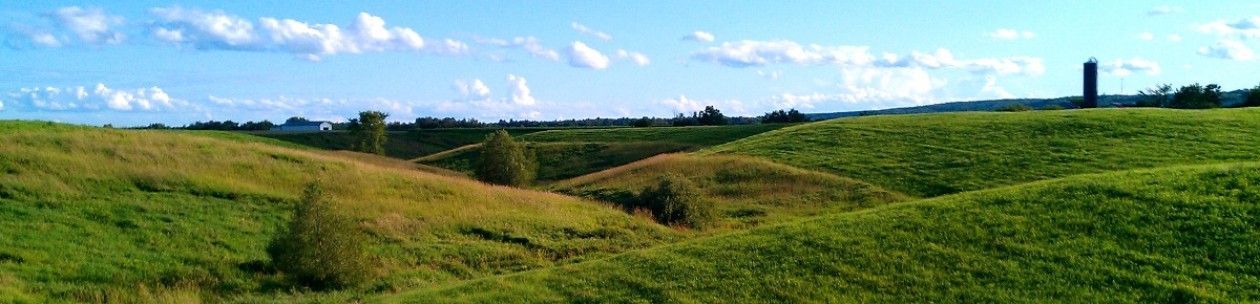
[1053,107]
[675,200]
[505,161]
[320,248]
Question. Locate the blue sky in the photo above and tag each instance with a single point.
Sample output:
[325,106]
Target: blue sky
[138,62]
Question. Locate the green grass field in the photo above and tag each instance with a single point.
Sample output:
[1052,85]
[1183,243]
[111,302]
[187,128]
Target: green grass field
[935,154]
[1178,235]
[100,215]
[400,144]
[568,153]
[746,191]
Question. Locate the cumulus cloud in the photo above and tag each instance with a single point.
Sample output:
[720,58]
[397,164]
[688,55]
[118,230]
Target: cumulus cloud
[1122,67]
[1246,27]
[902,86]
[943,58]
[95,98]
[991,88]
[1010,34]
[586,30]
[636,57]
[1163,10]
[475,90]
[1174,38]
[518,91]
[1228,49]
[748,53]
[582,56]
[1144,36]
[91,25]
[804,101]
[699,36]
[771,74]
[684,105]
[529,44]
[218,30]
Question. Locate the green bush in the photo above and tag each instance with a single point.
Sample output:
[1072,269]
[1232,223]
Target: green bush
[1015,107]
[320,248]
[1053,107]
[505,161]
[676,200]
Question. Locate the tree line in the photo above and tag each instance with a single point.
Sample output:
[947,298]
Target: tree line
[1193,96]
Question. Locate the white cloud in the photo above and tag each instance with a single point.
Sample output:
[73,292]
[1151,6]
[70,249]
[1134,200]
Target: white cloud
[529,44]
[636,57]
[761,53]
[582,56]
[1144,36]
[586,30]
[685,106]
[95,98]
[1228,49]
[943,58]
[792,101]
[902,86]
[699,36]
[92,25]
[1174,38]
[44,39]
[771,74]
[519,92]
[366,34]
[991,88]
[1121,67]
[1010,34]
[1246,27]
[475,90]
[1163,10]
[204,30]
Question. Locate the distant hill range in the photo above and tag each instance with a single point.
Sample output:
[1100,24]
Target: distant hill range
[1107,101]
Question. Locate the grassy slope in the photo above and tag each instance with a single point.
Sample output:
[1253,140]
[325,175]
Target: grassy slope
[400,144]
[568,153]
[935,154]
[747,191]
[92,214]
[1184,234]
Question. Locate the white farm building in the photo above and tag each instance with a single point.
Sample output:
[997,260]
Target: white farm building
[305,126]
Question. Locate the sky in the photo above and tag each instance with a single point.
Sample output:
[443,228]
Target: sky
[132,63]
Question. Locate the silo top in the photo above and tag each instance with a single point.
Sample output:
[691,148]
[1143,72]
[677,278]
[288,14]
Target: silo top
[1092,60]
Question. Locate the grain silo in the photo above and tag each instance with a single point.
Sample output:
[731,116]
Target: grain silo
[1091,84]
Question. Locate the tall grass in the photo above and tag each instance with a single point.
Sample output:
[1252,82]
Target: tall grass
[1175,235]
[89,214]
[936,154]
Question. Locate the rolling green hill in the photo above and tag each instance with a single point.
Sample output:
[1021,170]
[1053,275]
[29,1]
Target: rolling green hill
[568,153]
[401,144]
[1173,235]
[101,215]
[934,154]
[746,191]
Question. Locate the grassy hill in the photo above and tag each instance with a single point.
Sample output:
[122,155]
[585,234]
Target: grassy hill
[934,154]
[401,144]
[747,191]
[1174,235]
[102,215]
[568,153]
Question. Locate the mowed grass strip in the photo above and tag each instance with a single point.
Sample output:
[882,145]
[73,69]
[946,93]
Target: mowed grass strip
[562,160]
[935,154]
[746,191]
[101,215]
[694,135]
[1173,235]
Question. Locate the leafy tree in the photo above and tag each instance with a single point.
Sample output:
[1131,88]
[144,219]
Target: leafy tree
[642,122]
[1158,96]
[321,248]
[1196,96]
[711,116]
[1253,98]
[683,121]
[369,131]
[780,116]
[296,119]
[1015,107]
[675,200]
[504,161]
[1052,107]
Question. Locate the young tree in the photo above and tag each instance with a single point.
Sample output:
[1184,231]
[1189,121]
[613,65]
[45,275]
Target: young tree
[296,119]
[1158,96]
[675,200]
[321,248]
[1196,96]
[369,131]
[505,161]
[711,116]
[780,116]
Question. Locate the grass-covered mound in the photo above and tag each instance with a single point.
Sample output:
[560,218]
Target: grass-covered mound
[562,160]
[101,215]
[746,190]
[934,154]
[1176,235]
[400,144]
